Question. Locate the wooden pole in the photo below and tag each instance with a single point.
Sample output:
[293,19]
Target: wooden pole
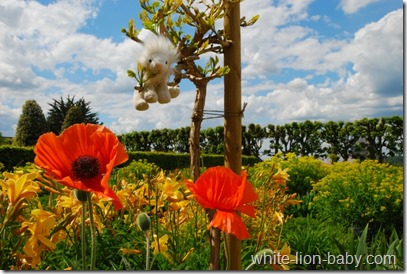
[232,108]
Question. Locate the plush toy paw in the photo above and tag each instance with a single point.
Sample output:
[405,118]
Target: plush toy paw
[163,94]
[150,95]
[142,105]
[138,101]
[174,91]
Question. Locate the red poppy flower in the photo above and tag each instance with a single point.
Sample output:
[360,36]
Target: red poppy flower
[221,189]
[82,157]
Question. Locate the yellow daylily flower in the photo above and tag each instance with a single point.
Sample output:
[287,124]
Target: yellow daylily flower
[20,187]
[278,217]
[69,200]
[170,190]
[179,205]
[160,246]
[19,173]
[281,177]
[287,258]
[40,231]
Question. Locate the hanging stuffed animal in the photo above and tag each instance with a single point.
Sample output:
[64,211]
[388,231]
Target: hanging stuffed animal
[156,60]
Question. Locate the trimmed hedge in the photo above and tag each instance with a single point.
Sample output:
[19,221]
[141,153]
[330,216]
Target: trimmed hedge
[171,161]
[12,156]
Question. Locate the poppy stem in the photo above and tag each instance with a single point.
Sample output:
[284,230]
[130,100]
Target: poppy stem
[92,233]
[83,235]
[147,251]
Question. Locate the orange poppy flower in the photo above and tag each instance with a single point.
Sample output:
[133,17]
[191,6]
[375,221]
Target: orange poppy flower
[82,157]
[221,189]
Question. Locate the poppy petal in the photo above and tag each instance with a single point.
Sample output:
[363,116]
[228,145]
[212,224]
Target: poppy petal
[200,198]
[47,156]
[230,222]
[249,194]
[247,209]
[217,186]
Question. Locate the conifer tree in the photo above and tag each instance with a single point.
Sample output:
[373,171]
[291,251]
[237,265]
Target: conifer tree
[31,125]
[59,109]
[74,116]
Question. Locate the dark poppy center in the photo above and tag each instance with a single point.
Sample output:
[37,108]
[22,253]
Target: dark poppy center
[85,167]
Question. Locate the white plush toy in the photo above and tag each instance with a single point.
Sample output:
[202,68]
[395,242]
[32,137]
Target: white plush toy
[156,60]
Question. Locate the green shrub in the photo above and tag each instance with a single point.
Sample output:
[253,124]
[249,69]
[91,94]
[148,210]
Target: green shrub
[361,193]
[135,171]
[303,171]
[171,161]
[12,156]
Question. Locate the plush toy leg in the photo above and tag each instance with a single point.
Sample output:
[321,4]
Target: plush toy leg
[138,101]
[174,91]
[163,94]
[150,95]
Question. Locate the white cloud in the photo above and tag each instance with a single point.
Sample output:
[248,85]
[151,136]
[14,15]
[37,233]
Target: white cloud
[352,6]
[53,43]
[377,55]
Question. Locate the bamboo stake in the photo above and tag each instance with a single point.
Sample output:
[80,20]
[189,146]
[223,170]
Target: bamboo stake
[232,108]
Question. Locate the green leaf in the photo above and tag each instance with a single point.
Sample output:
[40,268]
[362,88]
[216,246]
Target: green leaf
[131,73]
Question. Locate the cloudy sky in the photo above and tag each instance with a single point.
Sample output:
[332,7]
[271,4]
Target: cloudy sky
[304,59]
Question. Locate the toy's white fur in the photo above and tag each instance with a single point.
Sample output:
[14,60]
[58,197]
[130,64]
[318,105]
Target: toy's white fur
[158,55]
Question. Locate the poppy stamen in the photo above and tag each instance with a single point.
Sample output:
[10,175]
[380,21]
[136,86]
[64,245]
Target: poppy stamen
[85,167]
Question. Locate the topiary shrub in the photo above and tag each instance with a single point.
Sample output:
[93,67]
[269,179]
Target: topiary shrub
[31,124]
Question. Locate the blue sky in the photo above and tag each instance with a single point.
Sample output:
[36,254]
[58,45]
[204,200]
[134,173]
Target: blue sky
[304,59]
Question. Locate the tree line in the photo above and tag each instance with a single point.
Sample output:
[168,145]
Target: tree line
[367,138]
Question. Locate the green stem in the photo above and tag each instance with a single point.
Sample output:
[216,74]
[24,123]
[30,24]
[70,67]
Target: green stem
[147,251]
[228,253]
[83,235]
[263,203]
[92,233]
[250,266]
[2,244]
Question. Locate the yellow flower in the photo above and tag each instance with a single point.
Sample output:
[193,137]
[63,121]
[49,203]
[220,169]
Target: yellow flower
[286,258]
[19,173]
[170,190]
[278,217]
[161,246]
[20,187]
[281,177]
[179,205]
[68,201]
[40,231]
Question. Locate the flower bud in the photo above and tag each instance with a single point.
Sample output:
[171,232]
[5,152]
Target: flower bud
[81,195]
[143,222]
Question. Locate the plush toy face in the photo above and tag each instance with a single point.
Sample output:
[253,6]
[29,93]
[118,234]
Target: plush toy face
[157,64]
[157,57]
